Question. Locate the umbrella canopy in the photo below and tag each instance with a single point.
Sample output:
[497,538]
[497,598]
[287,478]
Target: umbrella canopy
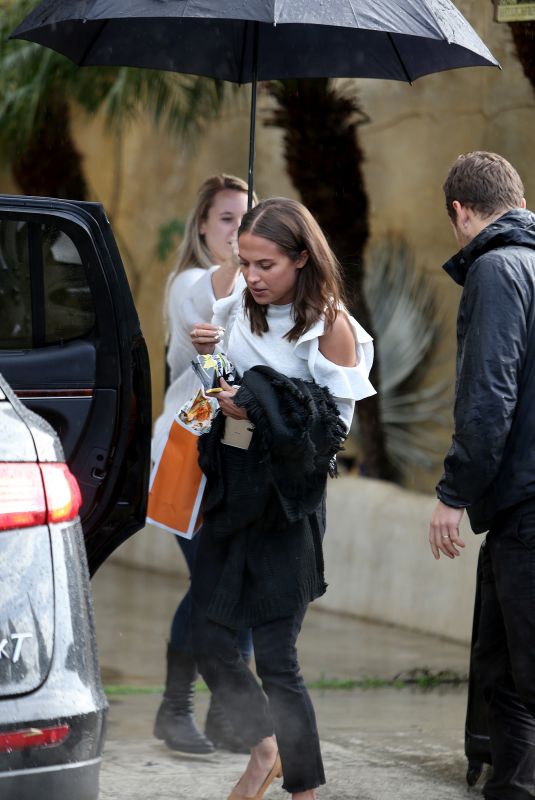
[248,40]
[395,39]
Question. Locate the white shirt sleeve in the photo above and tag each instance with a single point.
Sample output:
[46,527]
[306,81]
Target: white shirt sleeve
[198,299]
[346,384]
[190,300]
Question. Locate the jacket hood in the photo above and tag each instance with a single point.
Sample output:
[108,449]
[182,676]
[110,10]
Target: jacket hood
[515,228]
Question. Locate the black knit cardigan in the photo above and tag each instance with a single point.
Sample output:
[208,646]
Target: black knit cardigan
[268,502]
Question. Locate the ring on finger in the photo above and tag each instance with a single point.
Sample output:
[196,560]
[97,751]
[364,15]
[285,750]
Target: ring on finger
[445,536]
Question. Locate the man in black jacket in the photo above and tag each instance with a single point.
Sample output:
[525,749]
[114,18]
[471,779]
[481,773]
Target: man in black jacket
[490,468]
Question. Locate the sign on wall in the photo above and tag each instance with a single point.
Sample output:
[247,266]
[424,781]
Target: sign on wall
[514,11]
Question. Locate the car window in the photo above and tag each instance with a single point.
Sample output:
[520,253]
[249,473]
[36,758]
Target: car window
[44,293]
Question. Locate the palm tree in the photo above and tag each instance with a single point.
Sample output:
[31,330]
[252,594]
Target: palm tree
[39,88]
[524,41]
[402,302]
[324,161]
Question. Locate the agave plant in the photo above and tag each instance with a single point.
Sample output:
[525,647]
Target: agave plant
[404,315]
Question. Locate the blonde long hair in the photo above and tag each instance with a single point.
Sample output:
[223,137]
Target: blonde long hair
[193,251]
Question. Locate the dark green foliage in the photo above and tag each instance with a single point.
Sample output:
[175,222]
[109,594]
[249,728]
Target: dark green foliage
[169,236]
[38,87]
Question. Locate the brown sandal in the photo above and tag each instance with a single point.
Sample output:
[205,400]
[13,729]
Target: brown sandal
[275,772]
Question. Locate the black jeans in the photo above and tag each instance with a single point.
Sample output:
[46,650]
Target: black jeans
[287,710]
[181,625]
[505,652]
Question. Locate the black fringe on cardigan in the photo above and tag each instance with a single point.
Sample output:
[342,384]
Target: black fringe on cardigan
[265,505]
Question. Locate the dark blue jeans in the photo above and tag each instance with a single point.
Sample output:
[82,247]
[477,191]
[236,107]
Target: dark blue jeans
[505,652]
[181,637]
[287,710]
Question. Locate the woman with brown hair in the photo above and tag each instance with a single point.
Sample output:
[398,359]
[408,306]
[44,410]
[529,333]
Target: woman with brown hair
[304,362]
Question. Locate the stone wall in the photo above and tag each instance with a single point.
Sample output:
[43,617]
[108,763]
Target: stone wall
[378,562]
[379,565]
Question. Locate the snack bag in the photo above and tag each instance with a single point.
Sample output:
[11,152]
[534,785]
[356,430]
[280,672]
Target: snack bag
[210,368]
[197,414]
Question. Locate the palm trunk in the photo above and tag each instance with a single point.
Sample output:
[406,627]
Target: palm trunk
[524,39]
[324,162]
[50,165]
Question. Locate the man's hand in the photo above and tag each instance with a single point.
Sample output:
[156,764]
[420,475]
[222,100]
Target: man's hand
[444,530]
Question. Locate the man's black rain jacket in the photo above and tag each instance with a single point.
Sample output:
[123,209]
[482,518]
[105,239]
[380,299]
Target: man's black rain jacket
[491,463]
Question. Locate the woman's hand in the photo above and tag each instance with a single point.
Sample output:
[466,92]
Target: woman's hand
[232,262]
[225,276]
[205,336]
[227,404]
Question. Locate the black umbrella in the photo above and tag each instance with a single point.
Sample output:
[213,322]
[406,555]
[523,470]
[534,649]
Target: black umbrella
[245,41]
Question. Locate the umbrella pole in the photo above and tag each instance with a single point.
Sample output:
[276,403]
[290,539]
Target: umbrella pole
[252,126]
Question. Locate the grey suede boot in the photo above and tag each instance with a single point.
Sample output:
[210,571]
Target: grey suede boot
[175,723]
[221,732]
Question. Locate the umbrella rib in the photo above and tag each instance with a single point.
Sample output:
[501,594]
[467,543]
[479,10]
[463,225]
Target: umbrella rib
[92,42]
[396,51]
[352,7]
[439,25]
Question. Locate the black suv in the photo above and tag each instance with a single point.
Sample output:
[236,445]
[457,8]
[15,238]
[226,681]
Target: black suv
[72,351]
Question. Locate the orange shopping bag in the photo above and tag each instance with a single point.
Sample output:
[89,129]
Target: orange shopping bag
[177,483]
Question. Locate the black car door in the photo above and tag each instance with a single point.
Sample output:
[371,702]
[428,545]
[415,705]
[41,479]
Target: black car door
[72,349]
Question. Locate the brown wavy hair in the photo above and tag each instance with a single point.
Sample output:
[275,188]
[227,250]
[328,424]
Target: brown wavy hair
[293,229]
[485,182]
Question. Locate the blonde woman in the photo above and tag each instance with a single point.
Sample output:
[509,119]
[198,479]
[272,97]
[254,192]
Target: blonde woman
[207,270]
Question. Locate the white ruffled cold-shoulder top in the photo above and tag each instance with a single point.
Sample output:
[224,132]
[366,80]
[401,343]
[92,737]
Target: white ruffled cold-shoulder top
[300,359]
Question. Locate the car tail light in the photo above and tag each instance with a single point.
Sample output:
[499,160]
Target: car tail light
[63,498]
[22,498]
[34,494]
[32,737]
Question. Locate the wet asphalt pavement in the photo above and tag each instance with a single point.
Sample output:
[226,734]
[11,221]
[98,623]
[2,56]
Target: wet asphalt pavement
[378,743]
